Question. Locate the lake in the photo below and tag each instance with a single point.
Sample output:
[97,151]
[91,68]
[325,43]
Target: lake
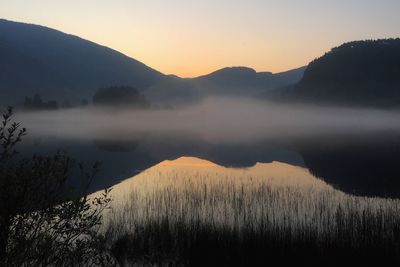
[357,164]
[227,176]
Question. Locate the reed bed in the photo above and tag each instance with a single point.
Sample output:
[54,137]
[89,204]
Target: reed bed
[177,212]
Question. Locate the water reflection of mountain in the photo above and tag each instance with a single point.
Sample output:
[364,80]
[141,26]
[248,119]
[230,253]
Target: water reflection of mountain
[117,145]
[362,165]
[123,157]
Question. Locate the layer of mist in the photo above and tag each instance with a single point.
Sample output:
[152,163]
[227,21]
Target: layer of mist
[217,120]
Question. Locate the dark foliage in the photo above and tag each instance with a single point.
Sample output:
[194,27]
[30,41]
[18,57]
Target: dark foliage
[41,222]
[120,97]
[36,103]
[84,102]
[355,73]
[161,243]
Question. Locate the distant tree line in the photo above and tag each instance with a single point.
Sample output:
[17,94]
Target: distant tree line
[120,97]
[36,103]
[124,97]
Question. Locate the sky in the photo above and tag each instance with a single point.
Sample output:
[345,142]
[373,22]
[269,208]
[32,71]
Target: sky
[194,37]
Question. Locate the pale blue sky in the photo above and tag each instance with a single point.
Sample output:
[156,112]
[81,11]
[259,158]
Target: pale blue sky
[190,38]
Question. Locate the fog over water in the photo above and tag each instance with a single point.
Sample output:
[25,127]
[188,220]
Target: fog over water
[216,120]
[350,148]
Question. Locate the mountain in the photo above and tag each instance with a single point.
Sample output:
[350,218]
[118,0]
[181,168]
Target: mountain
[63,67]
[361,73]
[245,81]
[36,59]
[231,81]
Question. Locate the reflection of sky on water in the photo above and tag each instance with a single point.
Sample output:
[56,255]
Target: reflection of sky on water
[353,149]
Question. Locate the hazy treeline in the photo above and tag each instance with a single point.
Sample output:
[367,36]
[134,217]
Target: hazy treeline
[217,120]
[116,97]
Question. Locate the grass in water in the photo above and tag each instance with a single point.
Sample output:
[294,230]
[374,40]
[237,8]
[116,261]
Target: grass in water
[193,212]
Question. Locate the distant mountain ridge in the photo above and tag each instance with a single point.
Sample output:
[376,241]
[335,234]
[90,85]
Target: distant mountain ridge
[235,78]
[59,66]
[359,73]
[43,59]
[231,81]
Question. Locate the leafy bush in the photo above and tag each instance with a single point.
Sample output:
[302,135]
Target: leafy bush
[42,222]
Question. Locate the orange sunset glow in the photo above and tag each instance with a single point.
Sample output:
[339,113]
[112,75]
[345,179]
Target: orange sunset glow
[192,38]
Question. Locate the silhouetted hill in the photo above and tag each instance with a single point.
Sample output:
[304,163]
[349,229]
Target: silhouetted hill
[246,81]
[363,73]
[63,67]
[36,59]
[233,81]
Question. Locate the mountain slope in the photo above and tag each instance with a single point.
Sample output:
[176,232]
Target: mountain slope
[40,59]
[246,81]
[232,81]
[59,66]
[365,73]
